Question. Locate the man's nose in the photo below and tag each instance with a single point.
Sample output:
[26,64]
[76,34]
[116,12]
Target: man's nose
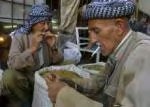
[46,26]
[93,38]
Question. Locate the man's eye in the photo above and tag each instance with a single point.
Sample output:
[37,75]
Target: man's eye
[96,31]
[42,23]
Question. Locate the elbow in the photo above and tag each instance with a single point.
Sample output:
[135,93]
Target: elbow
[58,60]
[14,64]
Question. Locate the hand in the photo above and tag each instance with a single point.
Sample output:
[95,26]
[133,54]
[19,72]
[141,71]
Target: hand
[50,38]
[35,41]
[54,86]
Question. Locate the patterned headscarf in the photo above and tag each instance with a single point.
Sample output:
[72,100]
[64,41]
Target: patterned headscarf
[107,9]
[37,14]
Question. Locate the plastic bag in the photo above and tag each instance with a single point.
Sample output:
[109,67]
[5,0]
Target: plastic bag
[40,95]
[72,53]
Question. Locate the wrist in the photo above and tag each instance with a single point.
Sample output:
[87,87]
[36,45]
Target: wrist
[33,49]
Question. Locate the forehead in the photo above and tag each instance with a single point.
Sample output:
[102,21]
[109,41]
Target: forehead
[42,23]
[100,22]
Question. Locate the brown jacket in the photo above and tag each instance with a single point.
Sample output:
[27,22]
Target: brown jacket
[20,57]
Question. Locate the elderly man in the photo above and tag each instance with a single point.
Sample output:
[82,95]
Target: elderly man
[127,68]
[33,47]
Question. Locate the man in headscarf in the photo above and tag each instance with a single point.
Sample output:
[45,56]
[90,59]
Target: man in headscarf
[33,47]
[127,69]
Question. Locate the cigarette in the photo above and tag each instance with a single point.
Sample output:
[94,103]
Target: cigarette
[97,49]
[56,35]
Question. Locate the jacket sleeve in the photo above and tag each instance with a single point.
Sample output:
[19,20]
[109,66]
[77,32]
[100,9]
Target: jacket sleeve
[57,55]
[19,58]
[68,97]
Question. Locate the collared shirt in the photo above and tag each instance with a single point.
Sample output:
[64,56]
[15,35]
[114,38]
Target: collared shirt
[122,42]
[113,59]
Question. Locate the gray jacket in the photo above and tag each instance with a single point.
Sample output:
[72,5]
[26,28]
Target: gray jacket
[128,81]
[21,58]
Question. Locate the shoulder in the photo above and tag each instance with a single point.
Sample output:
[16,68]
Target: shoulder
[141,42]
[138,59]
[19,36]
[142,36]
[140,54]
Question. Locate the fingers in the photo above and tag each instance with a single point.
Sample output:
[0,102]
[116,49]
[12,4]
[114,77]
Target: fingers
[54,86]
[48,80]
[38,36]
[52,37]
[52,78]
[49,34]
[44,34]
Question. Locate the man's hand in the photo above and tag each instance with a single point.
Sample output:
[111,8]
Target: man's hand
[35,41]
[50,38]
[54,86]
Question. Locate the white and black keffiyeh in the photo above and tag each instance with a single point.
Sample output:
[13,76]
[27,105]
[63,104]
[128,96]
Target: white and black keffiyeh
[37,14]
[107,9]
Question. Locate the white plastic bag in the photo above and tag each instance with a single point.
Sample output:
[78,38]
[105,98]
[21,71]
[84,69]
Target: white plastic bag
[40,95]
[72,53]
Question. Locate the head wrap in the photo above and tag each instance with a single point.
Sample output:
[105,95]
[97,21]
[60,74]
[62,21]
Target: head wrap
[107,9]
[37,14]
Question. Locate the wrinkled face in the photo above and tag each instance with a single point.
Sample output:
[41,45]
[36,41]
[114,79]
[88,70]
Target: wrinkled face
[41,26]
[106,32]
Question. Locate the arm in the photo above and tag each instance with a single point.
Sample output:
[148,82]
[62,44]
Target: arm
[19,58]
[57,55]
[20,55]
[64,96]
[52,41]
[68,97]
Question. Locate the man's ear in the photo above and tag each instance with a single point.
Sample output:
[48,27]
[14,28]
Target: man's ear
[119,22]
